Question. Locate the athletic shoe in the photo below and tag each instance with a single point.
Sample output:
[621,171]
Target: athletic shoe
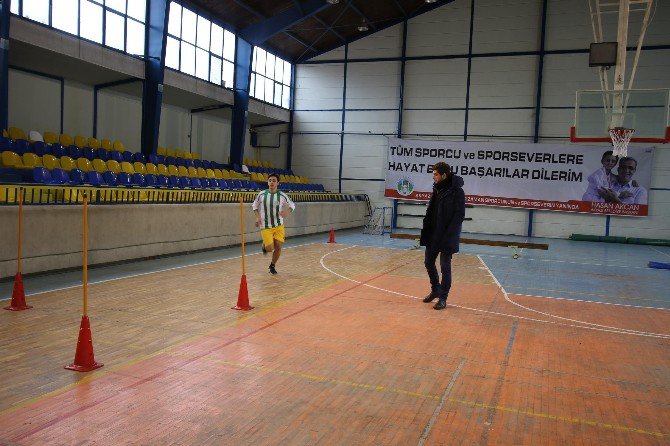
[272,269]
[265,251]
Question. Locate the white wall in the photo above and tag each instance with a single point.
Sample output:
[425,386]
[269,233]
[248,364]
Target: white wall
[503,95]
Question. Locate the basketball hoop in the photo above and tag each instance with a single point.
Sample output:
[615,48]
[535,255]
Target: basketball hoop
[620,138]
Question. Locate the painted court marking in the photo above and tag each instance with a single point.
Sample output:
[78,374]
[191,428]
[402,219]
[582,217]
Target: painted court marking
[586,326]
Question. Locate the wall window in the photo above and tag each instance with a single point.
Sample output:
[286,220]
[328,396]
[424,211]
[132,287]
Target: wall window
[117,24]
[270,78]
[199,47]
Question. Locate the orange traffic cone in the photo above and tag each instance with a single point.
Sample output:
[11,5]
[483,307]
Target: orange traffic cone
[332,236]
[83,358]
[18,295]
[243,296]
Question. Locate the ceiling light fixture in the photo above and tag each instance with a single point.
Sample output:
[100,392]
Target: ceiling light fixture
[430,1]
[363,26]
[333,2]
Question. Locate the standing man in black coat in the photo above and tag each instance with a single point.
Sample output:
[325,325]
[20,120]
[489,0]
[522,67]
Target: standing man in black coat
[442,230]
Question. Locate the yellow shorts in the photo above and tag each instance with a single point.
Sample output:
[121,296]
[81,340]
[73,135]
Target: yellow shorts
[269,235]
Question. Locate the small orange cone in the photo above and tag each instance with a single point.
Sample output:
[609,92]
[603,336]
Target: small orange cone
[243,296]
[83,358]
[18,295]
[332,236]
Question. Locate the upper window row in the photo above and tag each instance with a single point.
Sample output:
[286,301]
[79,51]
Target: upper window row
[270,78]
[117,24]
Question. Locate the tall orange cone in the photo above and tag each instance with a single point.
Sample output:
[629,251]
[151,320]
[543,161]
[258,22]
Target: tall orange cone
[84,360]
[332,236]
[243,295]
[18,294]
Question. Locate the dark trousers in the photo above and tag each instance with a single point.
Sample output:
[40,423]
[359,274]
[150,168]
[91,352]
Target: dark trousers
[437,287]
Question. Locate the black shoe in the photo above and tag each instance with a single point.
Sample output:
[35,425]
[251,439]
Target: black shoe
[441,304]
[431,297]
[265,251]
[272,269]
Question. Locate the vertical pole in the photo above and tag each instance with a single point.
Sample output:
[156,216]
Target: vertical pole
[18,256]
[5,14]
[242,231]
[401,102]
[467,82]
[238,123]
[344,115]
[620,69]
[85,288]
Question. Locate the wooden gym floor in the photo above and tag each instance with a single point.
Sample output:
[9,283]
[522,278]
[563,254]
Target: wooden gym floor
[339,350]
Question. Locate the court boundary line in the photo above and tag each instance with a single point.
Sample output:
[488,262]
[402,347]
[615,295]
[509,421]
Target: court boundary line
[592,301]
[500,288]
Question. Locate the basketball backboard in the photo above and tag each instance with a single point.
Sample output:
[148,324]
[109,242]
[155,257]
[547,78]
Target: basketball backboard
[645,111]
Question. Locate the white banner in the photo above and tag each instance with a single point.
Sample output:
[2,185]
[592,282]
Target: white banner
[560,177]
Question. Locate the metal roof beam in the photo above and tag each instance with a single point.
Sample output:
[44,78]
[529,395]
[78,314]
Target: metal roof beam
[260,32]
[330,28]
[404,13]
[360,13]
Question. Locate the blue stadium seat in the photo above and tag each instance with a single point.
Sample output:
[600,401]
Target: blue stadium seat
[138,179]
[140,158]
[116,156]
[6,144]
[153,159]
[127,156]
[170,161]
[237,184]
[94,178]
[73,152]
[223,185]
[109,178]
[173,181]
[197,163]
[150,180]
[180,162]
[123,179]
[184,182]
[196,183]
[206,164]
[189,163]
[56,150]
[103,154]
[22,146]
[77,177]
[41,175]
[88,153]
[59,176]
[162,181]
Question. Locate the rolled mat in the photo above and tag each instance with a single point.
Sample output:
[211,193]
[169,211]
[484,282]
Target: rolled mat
[659,265]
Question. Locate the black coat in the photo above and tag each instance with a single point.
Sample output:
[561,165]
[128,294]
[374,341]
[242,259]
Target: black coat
[449,203]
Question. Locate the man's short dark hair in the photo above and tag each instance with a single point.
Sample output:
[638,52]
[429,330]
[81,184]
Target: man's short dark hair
[606,154]
[274,175]
[442,168]
[628,158]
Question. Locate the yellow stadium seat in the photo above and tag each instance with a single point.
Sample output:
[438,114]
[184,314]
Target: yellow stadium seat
[202,173]
[183,171]
[5,133]
[79,141]
[172,170]
[127,167]
[265,176]
[179,153]
[118,146]
[50,137]
[31,160]
[140,167]
[50,162]
[161,151]
[67,163]
[162,169]
[113,166]
[93,143]
[188,156]
[254,176]
[65,140]
[99,165]
[225,174]
[210,173]
[16,133]
[151,168]
[83,164]
[106,144]
[217,174]
[169,152]
[245,161]
[196,156]
[192,172]
[266,164]
[11,159]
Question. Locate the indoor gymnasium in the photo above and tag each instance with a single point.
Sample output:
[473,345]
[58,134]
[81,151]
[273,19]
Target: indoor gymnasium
[334,222]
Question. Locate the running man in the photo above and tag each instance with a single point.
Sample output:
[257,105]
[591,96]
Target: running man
[270,207]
